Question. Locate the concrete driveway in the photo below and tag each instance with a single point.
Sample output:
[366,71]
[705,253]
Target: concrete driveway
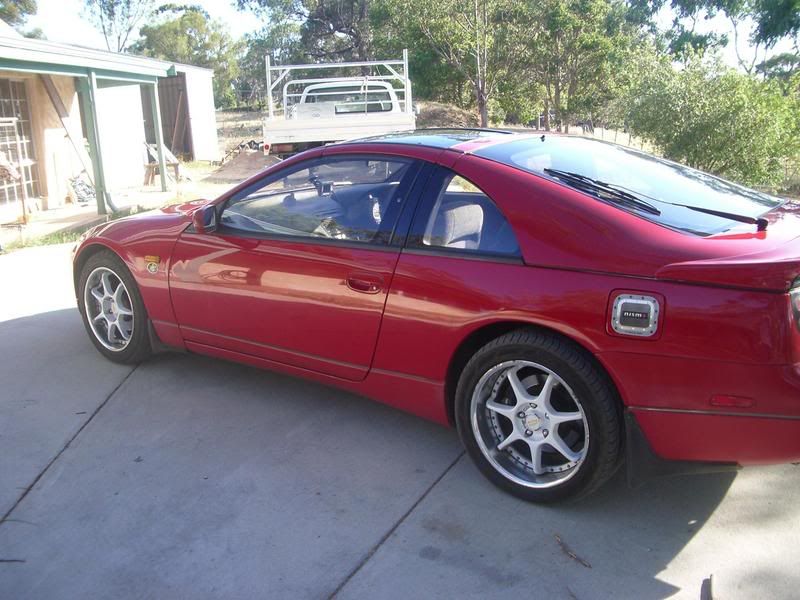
[190,478]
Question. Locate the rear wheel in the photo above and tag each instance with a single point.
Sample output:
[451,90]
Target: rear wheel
[538,417]
[113,312]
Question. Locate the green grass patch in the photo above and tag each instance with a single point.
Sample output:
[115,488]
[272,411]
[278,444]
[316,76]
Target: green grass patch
[65,236]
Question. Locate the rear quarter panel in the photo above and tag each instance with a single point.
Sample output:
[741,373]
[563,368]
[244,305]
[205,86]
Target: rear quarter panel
[437,301]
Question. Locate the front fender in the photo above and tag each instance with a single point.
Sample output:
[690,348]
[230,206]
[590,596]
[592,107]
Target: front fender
[144,243]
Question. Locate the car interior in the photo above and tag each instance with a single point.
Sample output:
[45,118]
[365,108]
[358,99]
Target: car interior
[328,201]
[321,202]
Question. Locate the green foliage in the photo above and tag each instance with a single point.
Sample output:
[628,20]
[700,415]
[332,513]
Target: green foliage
[776,19]
[577,50]
[329,29]
[783,68]
[280,41]
[480,42]
[187,35]
[35,34]
[16,12]
[716,119]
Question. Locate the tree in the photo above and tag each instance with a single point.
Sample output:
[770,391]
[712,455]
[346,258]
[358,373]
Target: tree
[186,34]
[474,40]
[282,43]
[117,19]
[773,19]
[577,50]
[716,119]
[783,68]
[329,29]
[16,12]
[776,19]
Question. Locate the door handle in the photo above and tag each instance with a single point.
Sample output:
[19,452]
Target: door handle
[364,285]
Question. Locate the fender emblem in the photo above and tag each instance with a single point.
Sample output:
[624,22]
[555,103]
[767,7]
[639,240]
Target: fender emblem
[152,263]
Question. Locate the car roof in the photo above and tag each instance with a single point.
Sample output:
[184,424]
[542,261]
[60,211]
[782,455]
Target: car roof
[441,137]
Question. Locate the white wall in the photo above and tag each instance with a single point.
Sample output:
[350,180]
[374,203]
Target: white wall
[121,123]
[202,114]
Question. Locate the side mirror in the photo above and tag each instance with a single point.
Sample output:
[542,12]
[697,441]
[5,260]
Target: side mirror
[204,219]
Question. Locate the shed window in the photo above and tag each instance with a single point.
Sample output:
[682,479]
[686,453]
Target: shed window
[14,105]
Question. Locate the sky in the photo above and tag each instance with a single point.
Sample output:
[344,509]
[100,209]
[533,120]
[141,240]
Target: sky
[61,21]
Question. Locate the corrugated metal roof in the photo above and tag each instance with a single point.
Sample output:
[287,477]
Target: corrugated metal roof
[67,55]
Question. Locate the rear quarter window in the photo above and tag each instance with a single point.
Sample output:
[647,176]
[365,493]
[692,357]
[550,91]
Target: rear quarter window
[458,216]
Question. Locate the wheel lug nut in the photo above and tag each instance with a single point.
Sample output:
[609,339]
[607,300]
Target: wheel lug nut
[528,432]
[533,405]
[521,415]
[545,433]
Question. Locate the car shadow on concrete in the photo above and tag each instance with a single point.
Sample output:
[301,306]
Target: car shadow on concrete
[469,540]
[214,479]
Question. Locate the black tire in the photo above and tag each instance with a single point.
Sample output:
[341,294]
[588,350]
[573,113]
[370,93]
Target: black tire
[584,382]
[137,348]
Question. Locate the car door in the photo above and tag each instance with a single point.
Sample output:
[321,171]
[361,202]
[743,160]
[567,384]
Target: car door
[299,266]
[461,265]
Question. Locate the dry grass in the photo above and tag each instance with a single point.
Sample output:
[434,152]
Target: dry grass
[235,127]
[436,114]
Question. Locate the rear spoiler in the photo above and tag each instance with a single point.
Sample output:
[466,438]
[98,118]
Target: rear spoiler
[772,271]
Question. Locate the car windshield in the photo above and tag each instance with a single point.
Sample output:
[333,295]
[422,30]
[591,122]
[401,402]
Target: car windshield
[661,183]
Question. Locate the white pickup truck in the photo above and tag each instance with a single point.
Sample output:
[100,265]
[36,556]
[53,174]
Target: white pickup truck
[313,111]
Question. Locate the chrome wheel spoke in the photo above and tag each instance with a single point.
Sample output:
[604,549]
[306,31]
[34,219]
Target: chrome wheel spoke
[556,442]
[105,281]
[546,393]
[512,437]
[124,333]
[502,409]
[536,457]
[122,310]
[563,417]
[520,393]
[97,294]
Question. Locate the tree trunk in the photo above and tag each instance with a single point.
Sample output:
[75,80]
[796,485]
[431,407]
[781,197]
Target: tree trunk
[546,114]
[557,103]
[483,110]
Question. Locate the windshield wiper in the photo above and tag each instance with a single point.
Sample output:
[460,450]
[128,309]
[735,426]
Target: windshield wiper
[603,190]
[760,222]
[621,194]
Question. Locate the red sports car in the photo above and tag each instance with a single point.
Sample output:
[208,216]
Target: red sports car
[561,301]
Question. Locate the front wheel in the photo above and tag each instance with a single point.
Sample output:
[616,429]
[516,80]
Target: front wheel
[538,417]
[112,309]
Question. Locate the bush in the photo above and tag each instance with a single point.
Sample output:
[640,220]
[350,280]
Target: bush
[717,120]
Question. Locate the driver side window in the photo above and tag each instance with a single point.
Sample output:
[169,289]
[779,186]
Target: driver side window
[349,199]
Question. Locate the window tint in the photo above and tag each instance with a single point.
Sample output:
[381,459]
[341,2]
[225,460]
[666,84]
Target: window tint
[666,185]
[462,217]
[344,199]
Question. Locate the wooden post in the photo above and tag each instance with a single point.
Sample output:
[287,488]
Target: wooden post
[162,163]
[88,90]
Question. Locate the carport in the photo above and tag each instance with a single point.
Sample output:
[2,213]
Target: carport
[92,70]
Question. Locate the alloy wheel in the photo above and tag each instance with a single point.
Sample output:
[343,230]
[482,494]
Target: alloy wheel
[529,424]
[109,310]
